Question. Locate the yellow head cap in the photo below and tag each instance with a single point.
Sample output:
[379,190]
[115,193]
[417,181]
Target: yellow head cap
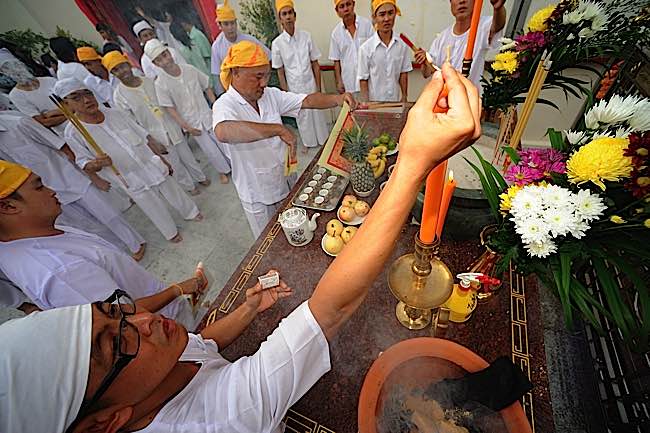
[244,54]
[377,3]
[281,4]
[85,54]
[12,176]
[112,59]
[225,12]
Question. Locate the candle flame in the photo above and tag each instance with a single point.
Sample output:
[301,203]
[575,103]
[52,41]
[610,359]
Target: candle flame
[451,175]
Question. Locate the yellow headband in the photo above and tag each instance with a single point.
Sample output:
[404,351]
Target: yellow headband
[377,3]
[244,54]
[281,4]
[85,54]
[12,176]
[112,59]
[225,12]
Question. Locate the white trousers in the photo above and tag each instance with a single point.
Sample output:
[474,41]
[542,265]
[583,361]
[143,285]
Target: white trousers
[259,215]
[312,127]
[187,159]
[151,203]
[119,199]
[214,151]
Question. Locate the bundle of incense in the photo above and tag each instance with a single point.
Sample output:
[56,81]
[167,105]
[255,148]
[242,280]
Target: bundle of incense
[412,46]
[74,120]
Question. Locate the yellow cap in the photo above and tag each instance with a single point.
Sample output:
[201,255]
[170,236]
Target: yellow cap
[225,12]
[281,4]
[85,54]
[336,2]
[12,176]
[377,3]
[112,59]
[244,54]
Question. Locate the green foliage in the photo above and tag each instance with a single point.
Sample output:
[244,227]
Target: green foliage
[259,20]
[37,44]
[76,42]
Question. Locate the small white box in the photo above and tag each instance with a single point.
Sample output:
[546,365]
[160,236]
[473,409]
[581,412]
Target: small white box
[270,280]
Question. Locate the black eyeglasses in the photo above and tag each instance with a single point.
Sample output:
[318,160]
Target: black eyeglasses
[126,343]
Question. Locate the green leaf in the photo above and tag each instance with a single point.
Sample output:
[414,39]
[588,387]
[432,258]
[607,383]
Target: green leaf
[547,102]
[557,140]
[615,303]
[491,196]
[512,153]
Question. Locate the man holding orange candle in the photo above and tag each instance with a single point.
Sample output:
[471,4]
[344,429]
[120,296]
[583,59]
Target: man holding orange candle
[490,29]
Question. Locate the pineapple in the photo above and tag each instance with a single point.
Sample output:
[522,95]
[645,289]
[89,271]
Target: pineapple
[356,146]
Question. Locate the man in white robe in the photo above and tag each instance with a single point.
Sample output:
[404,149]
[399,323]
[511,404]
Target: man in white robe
[132,152]
[295,56]
[181,91]
[248,119]
[137,96]
[145,33]
[85,207]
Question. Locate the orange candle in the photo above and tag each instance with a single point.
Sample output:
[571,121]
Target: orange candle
[432,200]
[473,29]
[447,193]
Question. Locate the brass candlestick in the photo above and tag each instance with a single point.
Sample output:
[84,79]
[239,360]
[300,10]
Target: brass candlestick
[421,282]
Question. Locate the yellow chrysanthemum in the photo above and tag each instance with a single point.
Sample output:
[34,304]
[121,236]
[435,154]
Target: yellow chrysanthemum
[617,219]
[600,160]
[647,223]
[506,198]
[506,61]
[537,22]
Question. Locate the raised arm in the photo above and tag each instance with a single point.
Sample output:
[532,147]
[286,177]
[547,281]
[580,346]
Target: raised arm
[323,100]
[498,17]
[341,290]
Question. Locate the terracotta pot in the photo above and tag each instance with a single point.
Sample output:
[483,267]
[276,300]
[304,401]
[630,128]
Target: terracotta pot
[389,361]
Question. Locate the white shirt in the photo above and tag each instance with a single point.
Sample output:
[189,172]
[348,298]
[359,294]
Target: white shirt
[71,70]
[252,394]
[103,89]
[295,54]
[447,37]
[185,93]
[125,142]
[73,268]
[36,102]
[150,70]
[258,167]
[27,142]
[220,48]
[142,103]
[345,48]
[382,65]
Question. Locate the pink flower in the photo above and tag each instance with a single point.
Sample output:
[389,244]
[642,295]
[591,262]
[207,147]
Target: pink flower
[522,175]
[545,161]
[533,41]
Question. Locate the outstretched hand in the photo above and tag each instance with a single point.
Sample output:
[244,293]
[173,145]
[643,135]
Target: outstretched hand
[260,299]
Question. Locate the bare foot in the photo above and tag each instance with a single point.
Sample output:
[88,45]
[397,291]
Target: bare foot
[195,191]
[176,239]
[206,182]
[199,217]
[138,255]
[223,178]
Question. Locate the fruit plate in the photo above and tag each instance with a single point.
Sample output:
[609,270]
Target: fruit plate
[394,151]
[322,245]
[356,221]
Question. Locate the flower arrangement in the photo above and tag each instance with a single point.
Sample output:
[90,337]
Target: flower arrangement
[582,207]
[573,33]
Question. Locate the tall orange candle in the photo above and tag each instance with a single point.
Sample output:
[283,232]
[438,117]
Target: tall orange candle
[432,200]
[471,40]
[447,193]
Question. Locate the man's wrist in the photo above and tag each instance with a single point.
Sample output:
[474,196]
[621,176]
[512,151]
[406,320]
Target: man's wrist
[248,311]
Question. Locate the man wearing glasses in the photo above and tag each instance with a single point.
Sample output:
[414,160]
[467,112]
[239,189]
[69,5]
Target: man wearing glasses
[111,368]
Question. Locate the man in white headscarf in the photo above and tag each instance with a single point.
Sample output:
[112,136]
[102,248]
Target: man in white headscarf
[159,378]
[145,33]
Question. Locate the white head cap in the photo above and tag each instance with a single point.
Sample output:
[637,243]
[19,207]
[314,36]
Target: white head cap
[141,25]
[64,87]
[44,364]
[153,48]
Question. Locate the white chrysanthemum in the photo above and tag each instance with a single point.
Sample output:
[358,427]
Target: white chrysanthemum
[560,221]
[527,202]
[532,229]
[599,23]
[616,110]
[585,11]
[579,228]
[507,44]
[575,137]
[556,196]
[640,120]
[588,206]
[585,33]
[622,132]
[541,249]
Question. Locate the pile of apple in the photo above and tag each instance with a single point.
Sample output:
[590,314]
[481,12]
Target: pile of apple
[352,208]
[337,236]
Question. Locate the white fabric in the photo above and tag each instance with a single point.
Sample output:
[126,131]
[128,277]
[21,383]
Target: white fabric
[150,70]
[185,93]
[215,151]
[447,37]
[153,48]
[252,394]
[6,56]
[258,167]
[66,86]
[345,48]
[103,89]
[36,102]
[11,295]
[165,34]
[382,65]
[44,365]
[220,48]
[139,26]
[71,70]
[295,54]
[258,215]
[187,159]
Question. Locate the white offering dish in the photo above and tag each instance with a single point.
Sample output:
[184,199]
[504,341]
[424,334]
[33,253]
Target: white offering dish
[308,190]
[319,200]
[390,169]
[317,177]
[328,185]
[323,192]
[312,183]
[383,184]
[321,170]
[332,179]
[303,197]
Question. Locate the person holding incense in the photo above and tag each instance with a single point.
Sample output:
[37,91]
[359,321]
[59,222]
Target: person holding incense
[57,266]
[490,30]
[348,35]
[182,92]
[384,59]
[295,57]
[107,141]
[162,378]
[137,96]
[248,119]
